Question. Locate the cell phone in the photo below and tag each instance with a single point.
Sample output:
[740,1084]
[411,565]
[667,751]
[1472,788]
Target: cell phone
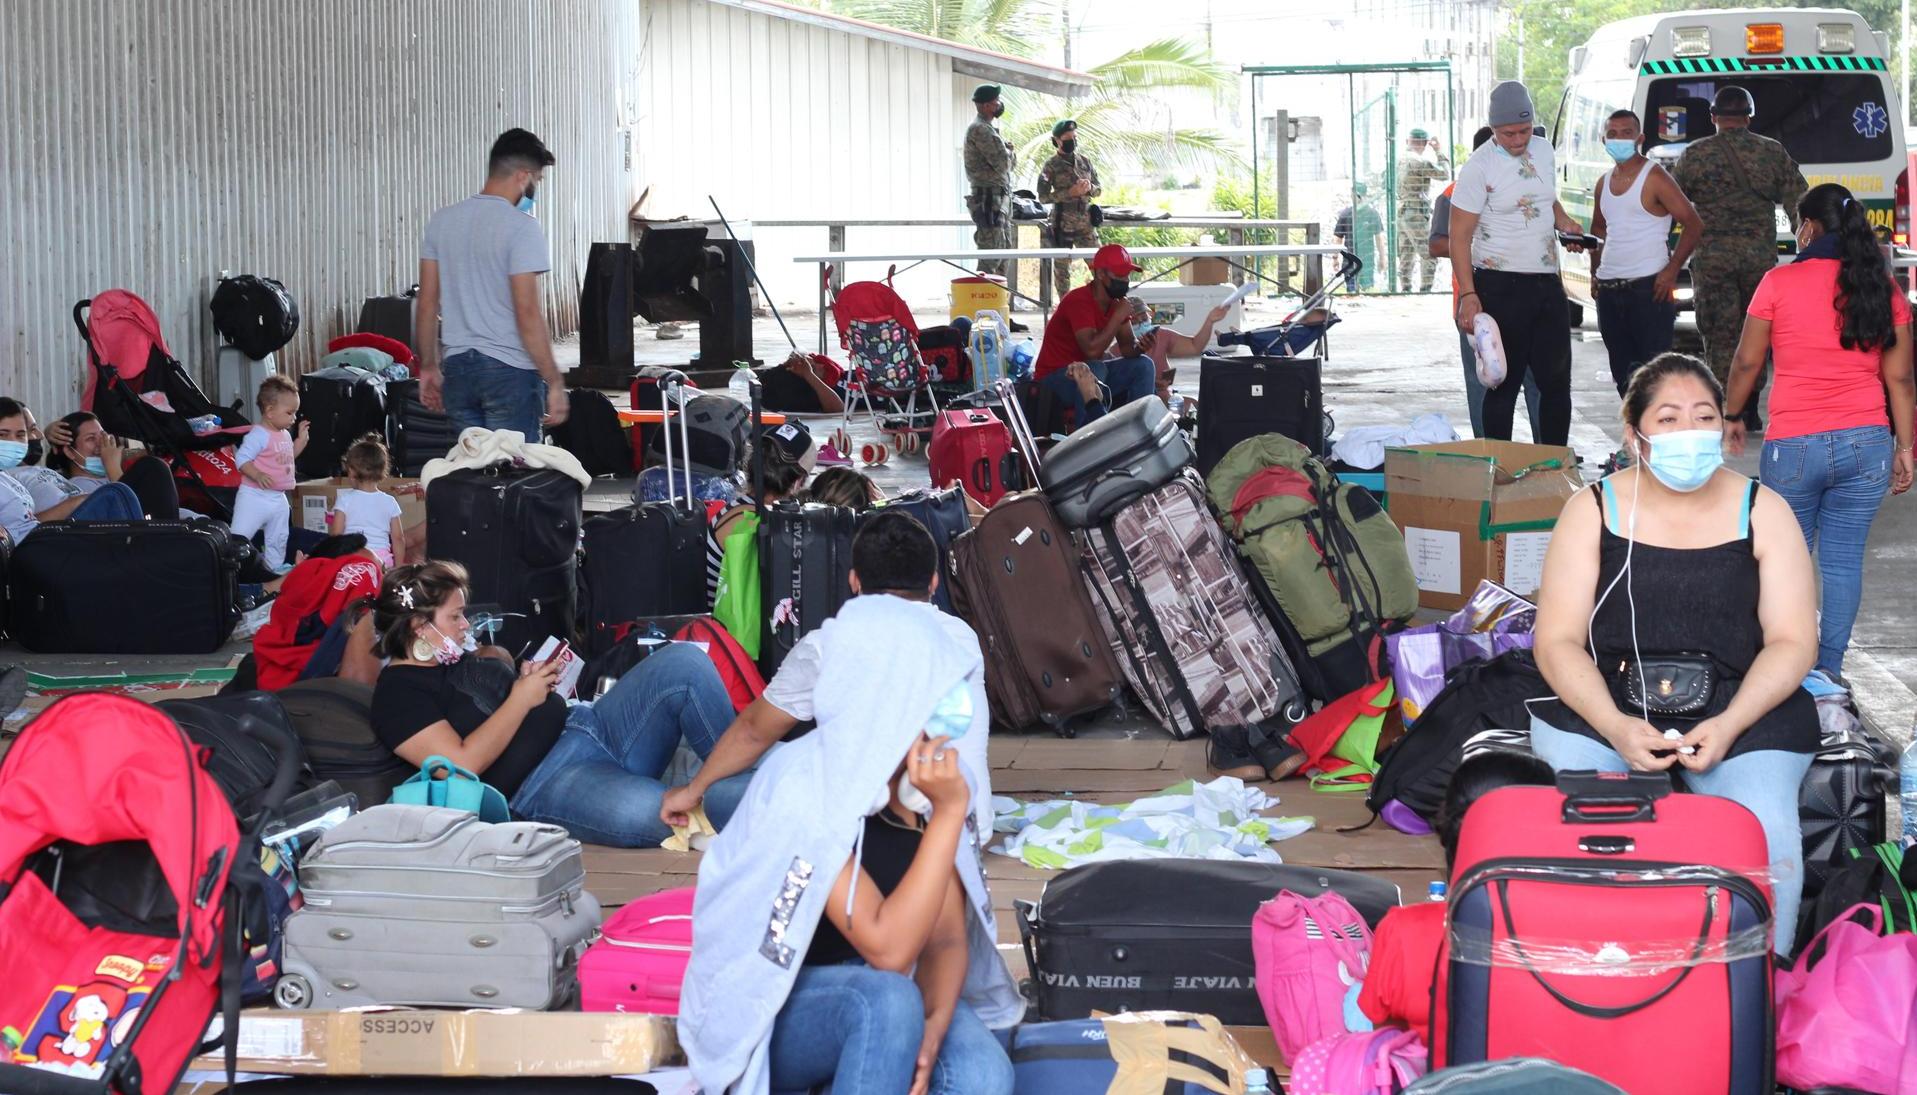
[1579,239]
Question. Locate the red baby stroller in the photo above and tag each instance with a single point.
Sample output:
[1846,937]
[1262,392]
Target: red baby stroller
[122,914]
[881,340]
[139,390]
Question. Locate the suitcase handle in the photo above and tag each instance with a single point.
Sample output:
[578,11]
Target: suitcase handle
[1025,915]
[1611,797]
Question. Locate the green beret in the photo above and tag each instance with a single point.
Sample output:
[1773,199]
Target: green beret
[1063,124]
[1420,135]
[985,93]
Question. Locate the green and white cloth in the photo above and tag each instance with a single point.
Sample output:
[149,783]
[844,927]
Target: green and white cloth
[1189,820]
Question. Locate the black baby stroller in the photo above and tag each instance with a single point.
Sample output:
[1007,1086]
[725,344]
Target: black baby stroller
[1300,332]
[140,390]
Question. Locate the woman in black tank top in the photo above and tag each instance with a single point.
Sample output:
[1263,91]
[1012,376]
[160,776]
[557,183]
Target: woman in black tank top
[1678,556]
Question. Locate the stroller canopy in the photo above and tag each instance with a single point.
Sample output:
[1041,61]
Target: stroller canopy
[122,331]
[870,301]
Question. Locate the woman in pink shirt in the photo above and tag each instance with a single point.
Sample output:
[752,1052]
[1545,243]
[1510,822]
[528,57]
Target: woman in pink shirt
[1838,332]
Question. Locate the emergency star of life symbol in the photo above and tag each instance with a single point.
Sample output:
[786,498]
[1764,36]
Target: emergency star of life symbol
[1869,120]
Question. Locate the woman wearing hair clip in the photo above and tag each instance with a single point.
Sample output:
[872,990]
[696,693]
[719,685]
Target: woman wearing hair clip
[595,768]
[1677,619]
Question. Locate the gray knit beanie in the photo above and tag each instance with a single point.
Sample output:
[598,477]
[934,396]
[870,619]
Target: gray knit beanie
[1510,104]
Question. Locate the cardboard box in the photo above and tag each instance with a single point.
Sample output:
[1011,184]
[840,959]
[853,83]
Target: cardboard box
[313,500]
[1206,271]
[1472,510]
[400,1042]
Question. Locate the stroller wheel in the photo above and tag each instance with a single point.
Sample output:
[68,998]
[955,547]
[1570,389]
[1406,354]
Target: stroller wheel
[841,440]
[292,992]
[873,455]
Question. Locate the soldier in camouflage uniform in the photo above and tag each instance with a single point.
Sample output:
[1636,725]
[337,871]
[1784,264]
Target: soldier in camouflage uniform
[988,168]
[1735,178]
[1421,170]
[1069,183]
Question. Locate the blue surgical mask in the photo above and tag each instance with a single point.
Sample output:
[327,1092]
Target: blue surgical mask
[953,715]
[1621,149]
[94,466]
[12,453]
[1685,460]
[525,205]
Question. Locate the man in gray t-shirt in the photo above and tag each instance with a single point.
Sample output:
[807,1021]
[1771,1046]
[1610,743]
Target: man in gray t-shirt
[485,354]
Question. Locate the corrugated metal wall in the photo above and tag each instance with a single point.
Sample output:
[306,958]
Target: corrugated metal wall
[781,120]
[153,143]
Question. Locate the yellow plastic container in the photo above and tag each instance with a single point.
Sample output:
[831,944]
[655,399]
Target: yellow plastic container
[974,294]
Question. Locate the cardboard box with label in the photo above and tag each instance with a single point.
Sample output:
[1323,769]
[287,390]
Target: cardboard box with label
[1472,510]
[398,1042]
[1205,271]
[313,500]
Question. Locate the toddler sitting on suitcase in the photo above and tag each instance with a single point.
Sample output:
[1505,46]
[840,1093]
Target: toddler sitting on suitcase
[1404,951]
[365,509]
[266,464]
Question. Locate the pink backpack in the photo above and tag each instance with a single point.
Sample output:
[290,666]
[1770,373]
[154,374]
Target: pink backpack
[1308,952]
[1376,1062]
[639,962]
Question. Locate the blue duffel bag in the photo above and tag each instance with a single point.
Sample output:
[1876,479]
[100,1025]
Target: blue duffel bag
[1165,1051]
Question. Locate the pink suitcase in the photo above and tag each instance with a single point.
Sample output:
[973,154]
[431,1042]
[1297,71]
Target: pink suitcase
[639,962]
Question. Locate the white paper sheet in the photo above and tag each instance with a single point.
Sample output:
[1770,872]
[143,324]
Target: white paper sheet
[1436,559]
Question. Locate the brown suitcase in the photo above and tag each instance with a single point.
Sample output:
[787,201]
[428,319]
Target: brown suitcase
[1016,579]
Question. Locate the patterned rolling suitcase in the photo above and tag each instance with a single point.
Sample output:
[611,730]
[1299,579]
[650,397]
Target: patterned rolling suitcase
[1192,642]
[431,907]
[1840,804]
[1604,912]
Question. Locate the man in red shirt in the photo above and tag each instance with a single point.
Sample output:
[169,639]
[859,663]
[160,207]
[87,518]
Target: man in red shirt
[1083,329]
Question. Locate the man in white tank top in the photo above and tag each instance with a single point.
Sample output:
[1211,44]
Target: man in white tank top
[1634,273]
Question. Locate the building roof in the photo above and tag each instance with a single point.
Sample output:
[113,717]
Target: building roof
[999,68]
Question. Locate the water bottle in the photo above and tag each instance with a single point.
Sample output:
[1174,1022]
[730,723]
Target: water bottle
[1257,1082]
[1176,405]
[739,386]
[1435,892]
[1907,787]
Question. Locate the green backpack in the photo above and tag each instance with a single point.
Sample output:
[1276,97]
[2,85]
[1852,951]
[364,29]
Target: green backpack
[1331,556]
[737,606]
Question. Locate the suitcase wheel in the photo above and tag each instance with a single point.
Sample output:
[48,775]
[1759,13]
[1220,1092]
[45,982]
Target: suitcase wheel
[292,992]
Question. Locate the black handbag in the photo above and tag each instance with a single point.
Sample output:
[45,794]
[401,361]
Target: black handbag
[1670,684]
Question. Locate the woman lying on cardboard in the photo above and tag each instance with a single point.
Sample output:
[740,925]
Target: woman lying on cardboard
[594,768]
[843,935]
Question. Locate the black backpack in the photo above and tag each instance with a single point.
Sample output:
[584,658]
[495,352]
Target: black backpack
[717,433]
[334,720]
[593,433]
[1482,706]
[1880,875]
[243,756]
[255,314]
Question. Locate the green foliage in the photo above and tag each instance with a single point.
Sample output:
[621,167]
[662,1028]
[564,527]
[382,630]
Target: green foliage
[1232,194]
[1552,28]
[1004,26]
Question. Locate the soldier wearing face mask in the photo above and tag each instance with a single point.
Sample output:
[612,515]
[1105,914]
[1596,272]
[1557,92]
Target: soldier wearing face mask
[1090,359]
[1069,182]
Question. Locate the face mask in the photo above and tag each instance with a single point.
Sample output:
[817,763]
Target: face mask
[1621,149]
[1685,460]
[34,451]
[94,466]
[1070,147]
[525,204]
[12,453]
[450,651]
[1118,289]
[1000,112]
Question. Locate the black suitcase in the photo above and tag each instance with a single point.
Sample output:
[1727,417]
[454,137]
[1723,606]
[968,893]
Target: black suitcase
[96,587]
[1841,803]
[944,515]
[414,434]
[389,316]
[1166,934]
[1242,397]
[242,757]
[592,432]
[805,568]
[343,405]
[516,531]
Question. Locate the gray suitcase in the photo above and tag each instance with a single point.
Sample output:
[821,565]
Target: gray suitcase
[431,907]
[1121,457]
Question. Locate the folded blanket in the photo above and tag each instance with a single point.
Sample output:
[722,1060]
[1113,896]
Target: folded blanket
[482,448]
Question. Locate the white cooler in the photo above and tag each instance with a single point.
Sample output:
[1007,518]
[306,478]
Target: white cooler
[1183,307]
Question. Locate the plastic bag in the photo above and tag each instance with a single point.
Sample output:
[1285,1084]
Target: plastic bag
[1489,345]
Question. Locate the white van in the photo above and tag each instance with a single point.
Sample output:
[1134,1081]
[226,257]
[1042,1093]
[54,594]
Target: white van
[1820,79]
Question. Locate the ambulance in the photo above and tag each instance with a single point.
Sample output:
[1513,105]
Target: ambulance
[1821,80]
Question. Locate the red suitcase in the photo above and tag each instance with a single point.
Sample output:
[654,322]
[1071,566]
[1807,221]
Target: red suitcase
[1613,926]
[973,447]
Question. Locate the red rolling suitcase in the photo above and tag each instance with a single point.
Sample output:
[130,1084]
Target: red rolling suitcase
[973,448]
[1597,920]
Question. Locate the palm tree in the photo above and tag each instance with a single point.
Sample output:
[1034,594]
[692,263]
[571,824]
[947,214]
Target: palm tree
[1118,117]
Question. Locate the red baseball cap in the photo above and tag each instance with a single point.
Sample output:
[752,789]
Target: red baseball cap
[1114,259]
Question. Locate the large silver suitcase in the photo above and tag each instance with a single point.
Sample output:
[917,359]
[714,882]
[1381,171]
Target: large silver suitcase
[432,907]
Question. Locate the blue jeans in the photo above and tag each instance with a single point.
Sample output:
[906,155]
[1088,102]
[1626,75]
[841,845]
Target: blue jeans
[1474,389]
[1834,483]
[858,1030]
[1125,378]
[111,502]
[1764,782]
[1635,324]
[484,391]
[602,778]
